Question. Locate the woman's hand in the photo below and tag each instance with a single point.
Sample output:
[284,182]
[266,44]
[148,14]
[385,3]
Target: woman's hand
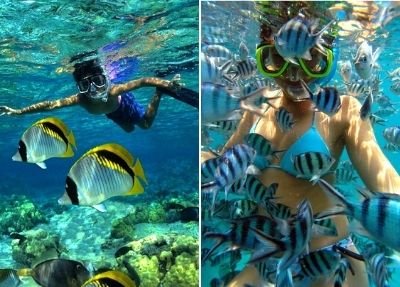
[4,110]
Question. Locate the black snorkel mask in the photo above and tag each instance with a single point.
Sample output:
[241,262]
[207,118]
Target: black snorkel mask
[91,78]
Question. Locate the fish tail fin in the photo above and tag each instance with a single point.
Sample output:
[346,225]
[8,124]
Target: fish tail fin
[136,189]
[69,152]
[138,170]
[25,272]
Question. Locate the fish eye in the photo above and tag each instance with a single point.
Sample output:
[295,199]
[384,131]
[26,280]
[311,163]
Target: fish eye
[364,59]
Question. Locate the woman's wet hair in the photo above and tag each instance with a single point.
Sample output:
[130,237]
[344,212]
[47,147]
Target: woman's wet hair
[87,68]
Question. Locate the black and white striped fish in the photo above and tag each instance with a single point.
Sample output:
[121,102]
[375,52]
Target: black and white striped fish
[327,100]
[386,112]
[258,192]
[345,175]
[378,213]
[392,135]
[241,234]
[244,69]
[340,273]
[243,208]
[312,165]
[279,210]
[356,89]
[232,167]
[231,256]
[376,267]
[293,244]
[296,37]
[318,263]
[392,148]
[262,146]
[208,169]
[374,119]
[218,103]
[366,108]
[217,51]
[212,73]
[225,126]
[284,119]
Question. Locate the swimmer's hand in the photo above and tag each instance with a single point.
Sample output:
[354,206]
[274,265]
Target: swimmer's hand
[175,83]
[4,110]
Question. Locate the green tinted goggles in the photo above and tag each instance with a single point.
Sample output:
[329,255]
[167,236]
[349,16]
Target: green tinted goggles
[271,64]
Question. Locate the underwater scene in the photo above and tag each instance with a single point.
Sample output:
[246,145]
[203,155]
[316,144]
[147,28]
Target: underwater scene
[300,143]
[99,137]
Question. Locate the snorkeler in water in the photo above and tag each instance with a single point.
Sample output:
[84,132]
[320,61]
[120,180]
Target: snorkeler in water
[99,96]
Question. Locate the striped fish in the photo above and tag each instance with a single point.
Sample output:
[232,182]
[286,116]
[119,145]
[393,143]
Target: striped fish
[279,210]
[376,266]
[226,126]
[340,273]
[394,73]
[241,234]
[395,87]
[217,51]
[327,100]
[318,263]
[211,73]
[383,101]
[345,175]
[208,169]
[262,146]
[386,112]
[374,119]
[293,244]
[45,139]
[258,192]
[9,278]
[392,135]
[233,166]
[103,172]
[284,119]
[267,269]
[243,208]
[312,165]
[392,147]
[365,110]
[296,37]
[232,256]
[378,213]
[356,89]
[218,104]
[244,69]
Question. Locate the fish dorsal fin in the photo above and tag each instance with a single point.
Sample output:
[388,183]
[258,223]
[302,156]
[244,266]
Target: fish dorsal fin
[114,148]
[61,125]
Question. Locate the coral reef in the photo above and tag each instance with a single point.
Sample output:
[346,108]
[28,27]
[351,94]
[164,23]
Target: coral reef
[34,245]
[18,214]
[170,260]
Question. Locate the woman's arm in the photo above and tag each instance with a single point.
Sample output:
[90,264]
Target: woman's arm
[145,82]
[42,106]
[374,168]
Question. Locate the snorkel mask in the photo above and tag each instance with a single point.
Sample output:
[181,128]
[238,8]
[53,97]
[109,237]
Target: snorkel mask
[91,79]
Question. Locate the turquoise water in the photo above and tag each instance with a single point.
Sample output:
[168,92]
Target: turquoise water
[36,41]
[228,24]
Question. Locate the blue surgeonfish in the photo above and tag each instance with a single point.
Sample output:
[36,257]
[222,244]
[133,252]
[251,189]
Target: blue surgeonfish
[45,139]
[377,215]
[296,37]
[103,172]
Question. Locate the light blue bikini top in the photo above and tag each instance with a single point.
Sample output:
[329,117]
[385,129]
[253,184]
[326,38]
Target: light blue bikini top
[310,141]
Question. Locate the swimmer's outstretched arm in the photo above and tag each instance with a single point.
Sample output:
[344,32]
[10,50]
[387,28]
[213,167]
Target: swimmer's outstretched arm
[41,107]
[367,157]
[145,82]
